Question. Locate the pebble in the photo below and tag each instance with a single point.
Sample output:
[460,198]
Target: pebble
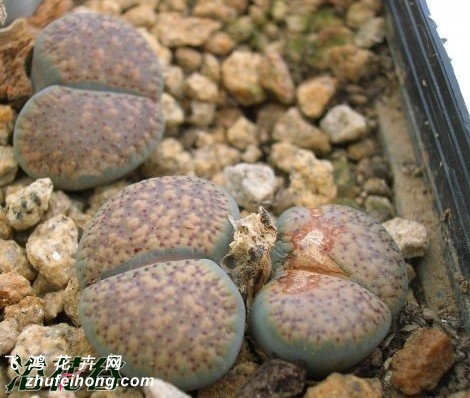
[362,149]
[343,124]
[202,113]
[216,9]
[8,165]
[220,43]
[172,112]
[426,356]
[350,63]
[212,159]
[6,231]
[50,341]
[275,77]
[346,386]
[102,194]
[311,181]
[313,95]
[247,91]
[293,128]
[142,15]
[371,33]
[242,133]
[173,76]
[410,236]
[13,289]
[379,207]
[251,185]
[8,335]
[162,389]
[210,67]
[188,58]
[71,298]
[200,87]
[174,30]
[13,259]
[53,304]
[7,119]
[51,249]
[30,310]
[360,12]
[377,186]
[26,206]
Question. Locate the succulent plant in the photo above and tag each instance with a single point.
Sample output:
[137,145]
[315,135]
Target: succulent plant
[339,280]
[153,291]
[96,113]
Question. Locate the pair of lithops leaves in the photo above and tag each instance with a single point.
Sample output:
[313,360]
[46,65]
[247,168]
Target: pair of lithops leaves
[153,290]
[95,115]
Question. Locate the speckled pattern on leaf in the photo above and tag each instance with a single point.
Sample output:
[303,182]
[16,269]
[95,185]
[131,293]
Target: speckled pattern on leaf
[182,321]
[158,219]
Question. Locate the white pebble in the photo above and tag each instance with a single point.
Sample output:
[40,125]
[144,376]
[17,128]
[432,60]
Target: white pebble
[343,124]
[410,236]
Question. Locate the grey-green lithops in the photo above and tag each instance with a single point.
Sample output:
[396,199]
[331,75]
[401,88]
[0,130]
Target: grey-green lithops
[96,114]
[153,291]
[339,279]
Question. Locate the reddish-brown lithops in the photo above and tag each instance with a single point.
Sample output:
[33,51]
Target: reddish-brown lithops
[153,291]
[339,279]
[96,114]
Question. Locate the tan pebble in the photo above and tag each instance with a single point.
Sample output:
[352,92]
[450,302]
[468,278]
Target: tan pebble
[51,249]
[169,158]
[59,203]
[141,16]
[212,159]
[6,231]
[53,304]
[173,77]
[102,194]
[314,95]
[13,288]
[104,6]
[217,9]
[246,64]
[162,389]
[349,62]
[293,128]
[28,311]
[175,30]
[371,33]
[359,13]
[13,259]
[71,298]
[346,386]
[220,43]
[251,154]
[188,58]
[423,360]
[275,77]
[41,285]
[8,334]
[410,236]
[202,113]
[200,87]
[242,133]
[362,149]
[172,112]
[8,165]
[26,206]
[344,124]
[7,120]
[210,67]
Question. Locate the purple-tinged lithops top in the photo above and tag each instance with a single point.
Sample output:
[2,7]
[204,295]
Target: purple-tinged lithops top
[82,138]
[182,321]
[344,242]
[322,321]
[159,219]
[97,52]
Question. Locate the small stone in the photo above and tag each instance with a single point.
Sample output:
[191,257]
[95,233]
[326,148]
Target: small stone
[141,16]
[28,311]
[13,259]
[169,158]
[188,58]
[175,30]
[377,186]
[361,149]
[275,379]
[311,181]
[241,77]
[313,95]
[164,54]
[6,231]
[220,43]
[291,127]
[7,118]
[51,249]
[251,185]
[8,165]
[371,33]
[343,124]
[162,389]
[53,304]
[172,112]
[241,29]
[108,7]
[242,133]
[210,67]
[13,289]
[251,154]
[71,298]
[26,206]
[359,13]
[275,77]
[8,335]
[59,203]
[423,360]
[173,76]
[202,113]
[346,386]
[212,159]
[200,87]
[379,207]
[217,9]
[349,62]
[50,341]
[410,236]
[376,166]
[103,194]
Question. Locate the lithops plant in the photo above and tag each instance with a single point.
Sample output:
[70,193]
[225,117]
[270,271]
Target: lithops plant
[96,114]
[340,278]
[152,289]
